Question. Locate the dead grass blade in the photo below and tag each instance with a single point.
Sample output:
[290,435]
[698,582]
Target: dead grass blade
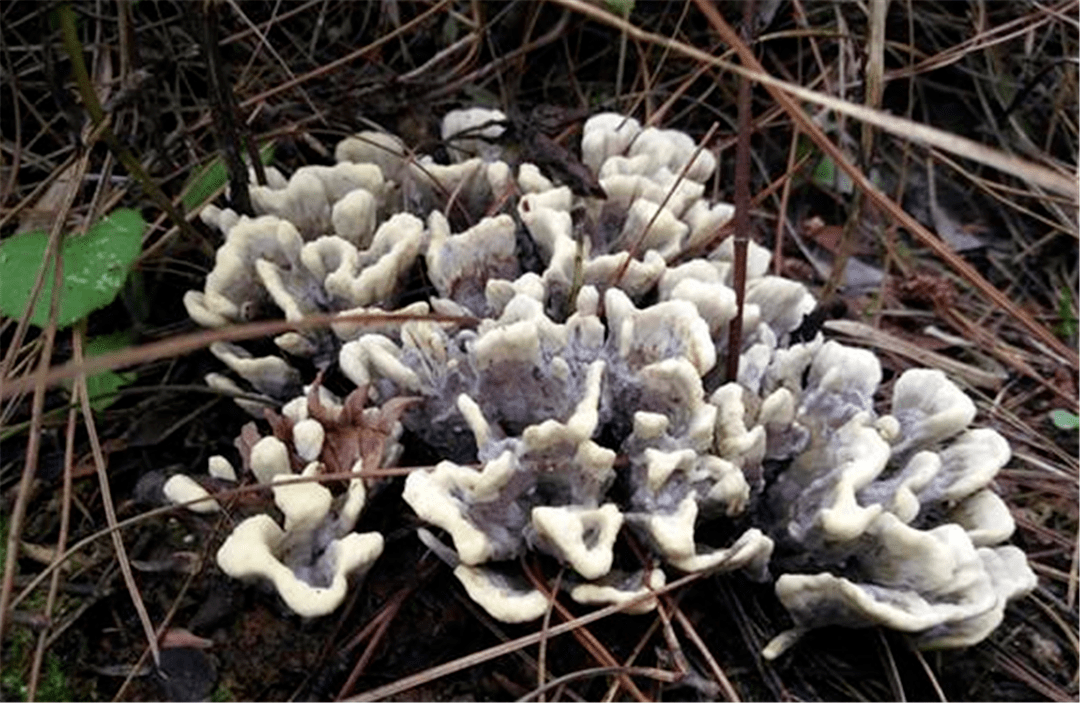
[61,544]
[714,666]
[896,685]
[39,383]
[930,674]
[1065,184]
[783,91]
[344,60]
[996,35]
[462,663]
[376,630]
[1035,680]
[107,504]
[785,195]
[1070,596]
[178,601]
[185,344]
[541,657]
[586,638]
[651,672]
[613,690]
[888,205]
[875,68]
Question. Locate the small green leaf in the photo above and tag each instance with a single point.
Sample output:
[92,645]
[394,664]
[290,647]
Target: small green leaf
[203,185]
[101,386]
[622,8]
[1065,420]
[825,173]
[1069,325]
[95,267]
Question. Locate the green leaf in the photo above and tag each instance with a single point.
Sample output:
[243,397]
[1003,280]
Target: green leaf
[1064,420]
[211,178]
[95,267]
[622,8]
[1069,325]
[101,386]
[825,173]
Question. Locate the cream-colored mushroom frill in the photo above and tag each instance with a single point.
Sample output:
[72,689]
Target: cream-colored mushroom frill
[562,354]
[890,520]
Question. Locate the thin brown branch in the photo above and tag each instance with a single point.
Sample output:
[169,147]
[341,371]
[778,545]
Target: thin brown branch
[223,105]
[714,666]
[651,672]
[586,638]
[377,631]
[107,504]
[742,210]
[61,544]
[184,344]
[38,381]
[470,660]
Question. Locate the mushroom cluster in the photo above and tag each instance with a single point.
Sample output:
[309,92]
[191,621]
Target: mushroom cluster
[559,347]
[311,558]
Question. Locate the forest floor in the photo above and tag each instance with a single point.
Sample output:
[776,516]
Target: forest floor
[997,301]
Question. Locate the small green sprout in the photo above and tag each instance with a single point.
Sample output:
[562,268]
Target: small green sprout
[622,8]
[1068,326]
[102,387]
[205,184]
[1065,420]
